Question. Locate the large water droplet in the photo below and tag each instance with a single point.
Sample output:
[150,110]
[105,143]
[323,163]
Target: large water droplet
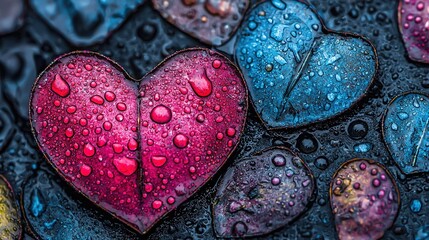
[110,96]
[85,170]
[201,84]
[158,161]
[180,141]
[156,204]
[97,99]
[161,114]
[124,165]
[88,150]
[60,87]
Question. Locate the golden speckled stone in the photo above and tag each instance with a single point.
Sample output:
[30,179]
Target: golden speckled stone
[10,226]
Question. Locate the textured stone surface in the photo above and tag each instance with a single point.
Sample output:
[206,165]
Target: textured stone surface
[262,193]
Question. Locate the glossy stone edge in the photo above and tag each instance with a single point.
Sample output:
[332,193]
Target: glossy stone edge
[256,154]
[325,30]
[128,77]
[370,161]
[383,119]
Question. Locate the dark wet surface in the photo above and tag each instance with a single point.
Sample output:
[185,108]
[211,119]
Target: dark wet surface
[145,39]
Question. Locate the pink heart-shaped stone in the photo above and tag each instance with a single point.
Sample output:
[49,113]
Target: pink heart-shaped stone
[138,149]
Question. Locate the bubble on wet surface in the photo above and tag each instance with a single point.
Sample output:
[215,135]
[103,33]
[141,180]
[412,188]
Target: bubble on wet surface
[406,137]
[307,143]
[211,21]
[357,129]
[363,192]
[321,163]
[244,201]
[284,50]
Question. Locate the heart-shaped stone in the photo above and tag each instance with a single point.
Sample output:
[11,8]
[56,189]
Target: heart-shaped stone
[405,132]
[297,71]
[211,21]
[262,193]
[413,22]
[139,150]
[364,200]
[84,23]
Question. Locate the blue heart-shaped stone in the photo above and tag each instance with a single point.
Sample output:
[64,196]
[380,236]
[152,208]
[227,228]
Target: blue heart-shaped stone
[297,71]
[406,132]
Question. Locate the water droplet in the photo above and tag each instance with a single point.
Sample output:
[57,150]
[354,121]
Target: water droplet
[321,163]
[60,87]
[119,117]
[161,114]
[88,150]
[117,148]
[275,181]
[402,115]
[109,96]
[124,165]
[416,205]
[278,160]
[180,141]
[71,109]
[85,170]
[158,161]
[121,106]
[88,67]
[279,4]
[201,85]
[357,129]
[156,204]
[132,144]
[69,132]
[230,132]
[217,64]
[362,147]
[97,99]
[307,143]
[239,229]
[201,118]
[107,126]
[171,200]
